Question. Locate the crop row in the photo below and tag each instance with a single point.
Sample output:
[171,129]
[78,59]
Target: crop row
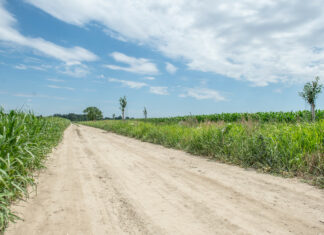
[290,117]
[283,148]
[24,142]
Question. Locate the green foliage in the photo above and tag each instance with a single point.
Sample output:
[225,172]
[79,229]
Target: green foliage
[73,117]
[283,148]
[288,117]
[123,104]
[93,113]
[311,91]
[24,142]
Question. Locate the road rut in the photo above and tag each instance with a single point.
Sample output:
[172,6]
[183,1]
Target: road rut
[102,183]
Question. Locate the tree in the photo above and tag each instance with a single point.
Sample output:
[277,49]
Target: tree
[145,112]
[113,116]
[93,113]
[123,103]
[310,93]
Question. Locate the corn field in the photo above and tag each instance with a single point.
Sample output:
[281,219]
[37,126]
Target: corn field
[24,142]
[291,117]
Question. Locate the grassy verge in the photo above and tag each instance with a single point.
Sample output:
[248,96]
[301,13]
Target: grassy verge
[289,149]
[24,142]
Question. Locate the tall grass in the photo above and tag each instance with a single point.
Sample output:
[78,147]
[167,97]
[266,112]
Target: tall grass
[282,148]
[24,142]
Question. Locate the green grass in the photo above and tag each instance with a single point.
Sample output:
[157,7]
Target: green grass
[24,142]
[290,149]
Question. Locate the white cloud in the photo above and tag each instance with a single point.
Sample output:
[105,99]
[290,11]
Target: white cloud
[54,80]
[115,35]
[170,68]
[61,87]
[159,90]
[130,84]
[77,70]
[257,41]
[24,95]
[203,94]
[9,33]
[149,78]
[135,65]
[20,67]
[35,67]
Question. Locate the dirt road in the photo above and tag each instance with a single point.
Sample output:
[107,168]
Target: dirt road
[101,183]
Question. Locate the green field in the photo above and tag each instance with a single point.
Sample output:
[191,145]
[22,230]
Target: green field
[24,142]
[289,149]
[288,117]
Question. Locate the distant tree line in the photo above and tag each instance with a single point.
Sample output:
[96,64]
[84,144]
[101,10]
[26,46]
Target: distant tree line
[309,94]
[73,117]
[83,117]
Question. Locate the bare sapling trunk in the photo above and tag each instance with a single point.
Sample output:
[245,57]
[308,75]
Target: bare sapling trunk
[313,111]
[123,114]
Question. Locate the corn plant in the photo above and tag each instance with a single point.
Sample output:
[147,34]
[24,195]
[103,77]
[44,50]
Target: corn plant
[24,142]
[288,117]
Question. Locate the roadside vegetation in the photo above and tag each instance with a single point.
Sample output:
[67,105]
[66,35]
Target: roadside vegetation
[289,149]
[24,142]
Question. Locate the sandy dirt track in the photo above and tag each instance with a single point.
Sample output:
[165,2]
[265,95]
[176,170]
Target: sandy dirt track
[101,183]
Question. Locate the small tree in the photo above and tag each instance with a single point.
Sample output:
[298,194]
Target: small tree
[310,93]
[93,113]
[123,103]
[145,112]
[113,116]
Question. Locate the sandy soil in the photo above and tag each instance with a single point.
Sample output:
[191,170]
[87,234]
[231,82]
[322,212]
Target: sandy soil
[101,183]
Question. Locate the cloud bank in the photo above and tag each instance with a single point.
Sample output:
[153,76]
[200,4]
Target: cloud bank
[257,41]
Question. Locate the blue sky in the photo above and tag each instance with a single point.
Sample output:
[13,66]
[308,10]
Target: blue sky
[174,57]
